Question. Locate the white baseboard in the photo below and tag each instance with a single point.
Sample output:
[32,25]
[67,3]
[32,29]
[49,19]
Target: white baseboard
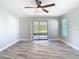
[5,47]
[54,39]
[70,45]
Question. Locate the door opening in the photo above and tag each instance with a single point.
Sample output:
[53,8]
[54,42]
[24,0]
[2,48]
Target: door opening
[40,30]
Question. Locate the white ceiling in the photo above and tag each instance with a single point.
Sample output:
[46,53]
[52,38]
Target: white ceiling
[17,7]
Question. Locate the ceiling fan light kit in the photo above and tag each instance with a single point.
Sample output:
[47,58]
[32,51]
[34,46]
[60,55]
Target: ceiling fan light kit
[41,8]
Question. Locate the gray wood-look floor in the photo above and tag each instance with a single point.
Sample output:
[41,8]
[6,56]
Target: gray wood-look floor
[39,50]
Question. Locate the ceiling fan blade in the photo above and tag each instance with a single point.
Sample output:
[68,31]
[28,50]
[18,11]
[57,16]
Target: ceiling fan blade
[48,5]
[29,7]
[46,11]
[37,2]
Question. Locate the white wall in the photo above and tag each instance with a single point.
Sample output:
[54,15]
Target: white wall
[53,29]
[73,28]
[25,27]
[8,29]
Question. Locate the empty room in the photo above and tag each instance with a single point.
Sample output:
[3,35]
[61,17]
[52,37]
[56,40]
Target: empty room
[39,29]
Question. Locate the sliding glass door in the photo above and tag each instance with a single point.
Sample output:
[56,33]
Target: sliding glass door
[40,30]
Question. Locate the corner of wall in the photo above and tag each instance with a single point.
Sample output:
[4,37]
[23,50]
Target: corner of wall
[74,47]
[10,44]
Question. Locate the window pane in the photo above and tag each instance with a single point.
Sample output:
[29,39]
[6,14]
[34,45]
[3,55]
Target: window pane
[64,28]
[36,23]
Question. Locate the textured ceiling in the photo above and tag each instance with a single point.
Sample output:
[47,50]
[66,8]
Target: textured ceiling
[17,7]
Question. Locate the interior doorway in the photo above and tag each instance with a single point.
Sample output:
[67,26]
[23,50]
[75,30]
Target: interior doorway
[40,30]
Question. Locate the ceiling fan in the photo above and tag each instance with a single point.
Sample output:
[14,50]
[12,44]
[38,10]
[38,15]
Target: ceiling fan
[42,7]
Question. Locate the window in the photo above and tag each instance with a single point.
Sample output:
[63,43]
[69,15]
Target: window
[64,28]
[40,30]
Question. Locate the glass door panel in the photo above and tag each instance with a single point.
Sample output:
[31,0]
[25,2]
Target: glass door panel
[43,30]
[40,30]
[36,30]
